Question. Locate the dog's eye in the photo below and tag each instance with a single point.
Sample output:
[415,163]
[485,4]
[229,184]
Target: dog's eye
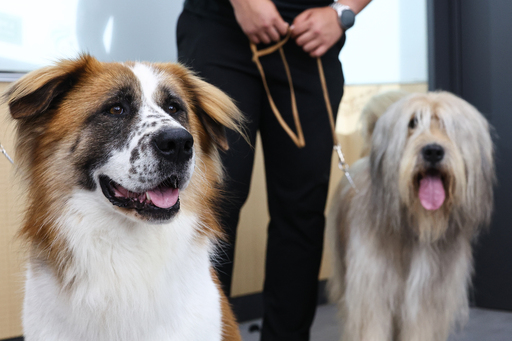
[116,110]
[172,108]
[413,123]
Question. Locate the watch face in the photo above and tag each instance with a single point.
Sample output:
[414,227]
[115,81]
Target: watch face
[347,18]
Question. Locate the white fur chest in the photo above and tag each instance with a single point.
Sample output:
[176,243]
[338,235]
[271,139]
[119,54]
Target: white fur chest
[126,281]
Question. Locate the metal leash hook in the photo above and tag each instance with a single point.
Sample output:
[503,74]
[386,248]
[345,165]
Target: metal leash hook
[342,164]
[5,153]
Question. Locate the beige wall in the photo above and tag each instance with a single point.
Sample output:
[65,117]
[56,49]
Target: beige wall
[11,274]
[251,242]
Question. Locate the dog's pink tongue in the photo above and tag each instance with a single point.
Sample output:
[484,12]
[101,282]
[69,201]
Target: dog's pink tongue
[164,197]
[431,192]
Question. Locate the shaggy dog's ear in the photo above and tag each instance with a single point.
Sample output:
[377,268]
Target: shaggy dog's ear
[216,111]
[372,111]
[34,93]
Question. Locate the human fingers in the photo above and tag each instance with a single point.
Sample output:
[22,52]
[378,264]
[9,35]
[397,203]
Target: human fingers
[273,33]
[298,30]
[319,51]
[302,17]
[300,24]
[281,26]
[305,38]
[264,37]
[311,45]
[254,38]
[259,20]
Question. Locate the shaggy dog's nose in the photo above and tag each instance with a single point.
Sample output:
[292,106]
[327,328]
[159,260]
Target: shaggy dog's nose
[432,153]
[174,144]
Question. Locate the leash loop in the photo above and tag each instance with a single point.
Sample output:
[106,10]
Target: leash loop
[298,138]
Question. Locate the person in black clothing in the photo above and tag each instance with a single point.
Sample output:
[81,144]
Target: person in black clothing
[213,39]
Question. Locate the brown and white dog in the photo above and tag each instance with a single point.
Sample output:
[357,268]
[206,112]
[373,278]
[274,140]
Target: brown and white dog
[123,173]
[402,243]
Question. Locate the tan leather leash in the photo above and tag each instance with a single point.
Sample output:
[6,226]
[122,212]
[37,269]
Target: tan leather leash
[298,138]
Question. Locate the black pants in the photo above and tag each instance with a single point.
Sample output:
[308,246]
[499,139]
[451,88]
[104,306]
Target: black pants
[297,179]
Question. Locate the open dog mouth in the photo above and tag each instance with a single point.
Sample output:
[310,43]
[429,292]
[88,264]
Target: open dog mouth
[160,200]
[431,189]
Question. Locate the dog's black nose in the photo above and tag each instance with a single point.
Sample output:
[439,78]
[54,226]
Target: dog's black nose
[174,144]
[432,153]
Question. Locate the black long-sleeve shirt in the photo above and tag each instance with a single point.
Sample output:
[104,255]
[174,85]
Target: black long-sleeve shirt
[222,9]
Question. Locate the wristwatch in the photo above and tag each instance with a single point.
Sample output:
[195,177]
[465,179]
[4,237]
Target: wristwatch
[346,17]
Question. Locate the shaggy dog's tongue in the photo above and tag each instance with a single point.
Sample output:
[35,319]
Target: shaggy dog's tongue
[431,192]
[164,197]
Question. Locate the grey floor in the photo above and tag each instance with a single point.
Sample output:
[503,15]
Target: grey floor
[483,325]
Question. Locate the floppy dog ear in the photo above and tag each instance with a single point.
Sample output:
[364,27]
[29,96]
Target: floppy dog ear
[216,131]
[216,111]
[34,93]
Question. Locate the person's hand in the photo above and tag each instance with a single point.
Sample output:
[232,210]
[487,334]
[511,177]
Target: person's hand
[260,20]
[316,30]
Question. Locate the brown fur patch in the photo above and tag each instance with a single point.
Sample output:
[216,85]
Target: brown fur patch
[230,331]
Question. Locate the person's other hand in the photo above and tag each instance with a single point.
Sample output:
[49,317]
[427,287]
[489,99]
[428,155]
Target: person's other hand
[260,20]
[316,30]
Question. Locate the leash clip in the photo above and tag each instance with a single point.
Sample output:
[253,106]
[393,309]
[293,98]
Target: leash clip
[2,149]
[342,164]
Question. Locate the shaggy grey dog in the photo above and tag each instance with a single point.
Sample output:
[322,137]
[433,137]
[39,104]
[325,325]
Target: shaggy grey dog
[402,243]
